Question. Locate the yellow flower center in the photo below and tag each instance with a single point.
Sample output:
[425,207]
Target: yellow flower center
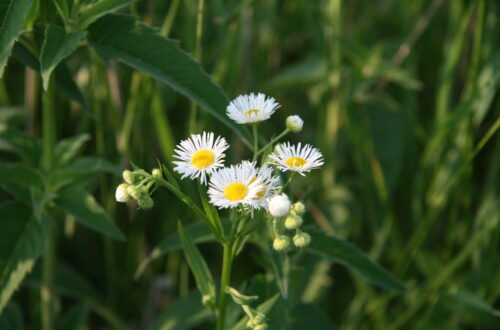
[250,112]
[296,162]
[203,158]
[235,191]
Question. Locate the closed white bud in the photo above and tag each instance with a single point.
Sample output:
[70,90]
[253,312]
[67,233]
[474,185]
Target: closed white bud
[301,239]
[281,243]
[156,173]
[121,194]
[279,205]
[294,123]
[293,221]
[299,208]
[128,176]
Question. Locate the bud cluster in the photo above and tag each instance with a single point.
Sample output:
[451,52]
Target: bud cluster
[137,186]
[287,217]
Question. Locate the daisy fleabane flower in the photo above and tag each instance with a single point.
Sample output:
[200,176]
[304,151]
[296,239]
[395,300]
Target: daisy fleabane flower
[287,157]
[251,108]
[200,155]
[233,186]
[271,184]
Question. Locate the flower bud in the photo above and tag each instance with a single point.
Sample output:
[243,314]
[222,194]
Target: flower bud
[128,176]
[293,221]
[208,300]
[299,208]
[281,243]
[294,123]
[137,193]
[121,194]
[258,321]
[146,202]
[156,173]
[279,205]
[301,239]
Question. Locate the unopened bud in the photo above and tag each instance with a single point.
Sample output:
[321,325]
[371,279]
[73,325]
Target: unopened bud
[121,194]
[156,173]
[294,123]
[279,205]
[281,243]
[128,176]
[293,221]
[299,208]
[146,202]
[301,239]
[137,193]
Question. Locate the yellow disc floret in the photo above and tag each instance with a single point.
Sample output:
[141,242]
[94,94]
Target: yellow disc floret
[252,112]
[296,162]
[235,191]
[203,158]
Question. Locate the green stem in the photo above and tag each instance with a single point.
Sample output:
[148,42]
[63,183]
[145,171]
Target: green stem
[49,139]
[227,264]
[197,57]
[255,141]
[273,141]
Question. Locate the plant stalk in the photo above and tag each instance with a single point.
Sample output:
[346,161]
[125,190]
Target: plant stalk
[227,264]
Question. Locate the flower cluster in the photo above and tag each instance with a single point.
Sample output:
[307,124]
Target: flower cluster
[287,217]
[137,186]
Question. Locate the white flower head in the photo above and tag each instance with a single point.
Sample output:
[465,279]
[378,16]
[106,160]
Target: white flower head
[296,158]
[235,185]
[251,108]
[294,123]
[279,205]
[200,155]
[271,184]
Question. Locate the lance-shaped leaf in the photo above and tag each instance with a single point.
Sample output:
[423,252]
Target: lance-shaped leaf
[12,14]
[123,38]
[337,250]
[87,211]
[98,9]
[57,45]
[17,179]
[199,267]
[22,240]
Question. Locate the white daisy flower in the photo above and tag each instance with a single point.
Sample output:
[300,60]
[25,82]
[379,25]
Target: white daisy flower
[271,184]
[251,108]
[233,186]
[299,159]
[200,155]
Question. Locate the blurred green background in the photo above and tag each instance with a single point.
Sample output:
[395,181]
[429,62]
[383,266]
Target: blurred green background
[400,96]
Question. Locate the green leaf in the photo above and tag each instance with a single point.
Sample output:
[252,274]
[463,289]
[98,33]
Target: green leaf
[22,240]
[67,149]
[198,266]
[63,77]
[123,38]
[199,232]
[12,318]
[25,146]
[183,314]
[87,211]
[469,299]
[57,45]
[12,14]
[17,179]
[39,200]
[98,9]
[264,308]
[337,250]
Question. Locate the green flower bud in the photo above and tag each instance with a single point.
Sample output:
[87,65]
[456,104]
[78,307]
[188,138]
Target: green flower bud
[293,221]
[294,123]
[301,239]
[258,321]
[299,208]
[128,176]
[137,193]
[281,243]
[146,202]
[156,173]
